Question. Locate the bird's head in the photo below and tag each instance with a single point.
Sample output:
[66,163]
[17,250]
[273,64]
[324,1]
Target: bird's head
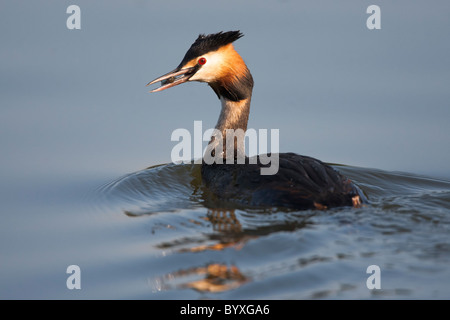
[212,59]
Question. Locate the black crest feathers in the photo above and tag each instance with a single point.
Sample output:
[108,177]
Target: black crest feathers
[210,42]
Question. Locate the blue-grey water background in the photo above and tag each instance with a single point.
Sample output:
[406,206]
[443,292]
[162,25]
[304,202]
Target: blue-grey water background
[78,128]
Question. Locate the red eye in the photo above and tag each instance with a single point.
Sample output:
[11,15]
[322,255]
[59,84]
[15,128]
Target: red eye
[201,61]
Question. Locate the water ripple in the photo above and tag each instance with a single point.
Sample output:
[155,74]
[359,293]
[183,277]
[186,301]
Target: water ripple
[235,251]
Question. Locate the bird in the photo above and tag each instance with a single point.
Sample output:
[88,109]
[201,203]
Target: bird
[301,182]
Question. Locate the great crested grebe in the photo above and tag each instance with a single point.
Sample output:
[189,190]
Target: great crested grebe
[300,183]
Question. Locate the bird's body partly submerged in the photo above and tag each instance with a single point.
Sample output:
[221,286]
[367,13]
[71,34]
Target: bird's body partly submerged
[300,183]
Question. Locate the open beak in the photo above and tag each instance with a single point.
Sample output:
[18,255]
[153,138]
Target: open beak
[173,78]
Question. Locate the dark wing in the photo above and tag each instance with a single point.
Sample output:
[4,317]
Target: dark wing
[301,183]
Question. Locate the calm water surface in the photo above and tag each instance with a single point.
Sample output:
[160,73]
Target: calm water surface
[75,116]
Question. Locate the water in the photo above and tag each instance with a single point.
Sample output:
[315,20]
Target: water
[196,252]
[75,117]
[148,235]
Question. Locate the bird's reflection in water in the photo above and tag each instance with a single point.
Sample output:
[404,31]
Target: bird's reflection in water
[229,233]
[215,277]
[224,221]
[203,231]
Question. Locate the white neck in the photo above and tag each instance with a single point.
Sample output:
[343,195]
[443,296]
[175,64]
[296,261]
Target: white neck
[232,121]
